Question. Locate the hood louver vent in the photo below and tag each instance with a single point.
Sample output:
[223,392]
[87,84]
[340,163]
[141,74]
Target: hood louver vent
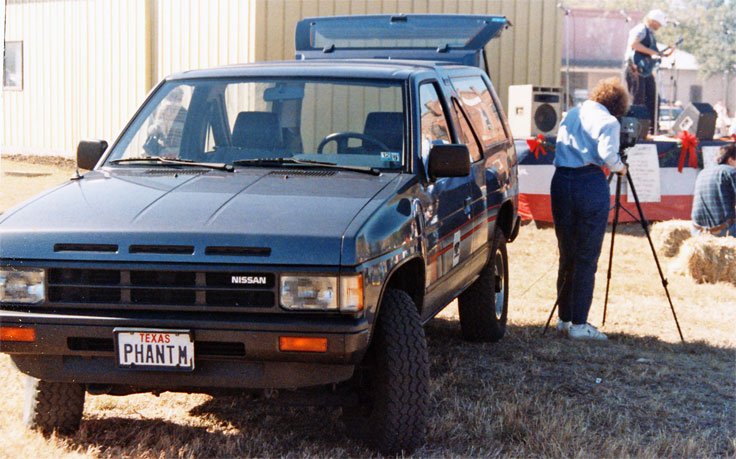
[239,251]
[163,249]
[302,173]
[85,248]
[164,172]
[157,172]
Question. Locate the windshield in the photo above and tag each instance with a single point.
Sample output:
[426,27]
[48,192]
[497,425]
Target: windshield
[668,114]
[345,122]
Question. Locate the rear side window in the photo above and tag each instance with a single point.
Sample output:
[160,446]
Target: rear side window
[477,101]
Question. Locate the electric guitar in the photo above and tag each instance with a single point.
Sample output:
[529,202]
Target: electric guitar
[646,64]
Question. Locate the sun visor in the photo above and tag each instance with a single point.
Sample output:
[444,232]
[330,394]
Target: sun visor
[435,37]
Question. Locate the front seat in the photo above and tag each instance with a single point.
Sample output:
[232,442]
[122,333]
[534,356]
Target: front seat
[257,131]
[387,127]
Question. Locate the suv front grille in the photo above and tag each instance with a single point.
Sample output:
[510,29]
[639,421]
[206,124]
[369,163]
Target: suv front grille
[161,289]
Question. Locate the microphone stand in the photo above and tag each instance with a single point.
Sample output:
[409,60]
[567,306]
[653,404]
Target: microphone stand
[567,53]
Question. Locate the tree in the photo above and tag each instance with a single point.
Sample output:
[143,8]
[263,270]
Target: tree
[708,27]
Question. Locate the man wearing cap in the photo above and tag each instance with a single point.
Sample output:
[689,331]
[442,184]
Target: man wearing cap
[641,55]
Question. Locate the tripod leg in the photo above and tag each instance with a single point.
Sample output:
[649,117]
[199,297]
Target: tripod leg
[645,226]
[616,209]
[551,313]
[557,300]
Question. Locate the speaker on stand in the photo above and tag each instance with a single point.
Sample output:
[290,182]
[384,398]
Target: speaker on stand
[534,110]
[698,119]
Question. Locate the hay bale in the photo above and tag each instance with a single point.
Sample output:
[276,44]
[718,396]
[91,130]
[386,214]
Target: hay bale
[668,236]
[707,259]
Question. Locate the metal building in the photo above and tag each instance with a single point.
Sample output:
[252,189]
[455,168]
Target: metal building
[78,69]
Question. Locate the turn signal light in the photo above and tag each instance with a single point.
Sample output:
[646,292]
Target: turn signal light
[18,334]
[302,344]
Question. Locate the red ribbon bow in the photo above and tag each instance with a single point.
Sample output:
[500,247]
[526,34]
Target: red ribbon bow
[687,150]
[536,145]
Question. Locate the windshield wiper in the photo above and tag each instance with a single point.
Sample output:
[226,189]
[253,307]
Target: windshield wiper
[304,162]
[174,162]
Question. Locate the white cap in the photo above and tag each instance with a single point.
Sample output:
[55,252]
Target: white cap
[659,16]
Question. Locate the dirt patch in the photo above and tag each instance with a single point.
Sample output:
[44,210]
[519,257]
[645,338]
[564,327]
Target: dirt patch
[21,179]
[56,161]
[26,174]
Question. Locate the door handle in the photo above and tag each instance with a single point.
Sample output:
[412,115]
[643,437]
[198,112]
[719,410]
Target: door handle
[468,209]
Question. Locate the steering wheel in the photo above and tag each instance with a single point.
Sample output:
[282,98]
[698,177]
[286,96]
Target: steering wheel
[342,141]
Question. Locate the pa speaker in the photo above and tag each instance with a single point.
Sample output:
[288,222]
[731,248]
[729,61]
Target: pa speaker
[698,119]
[534,110]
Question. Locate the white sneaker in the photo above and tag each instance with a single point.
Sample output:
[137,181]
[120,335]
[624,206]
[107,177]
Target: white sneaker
[586,331]
[563,328]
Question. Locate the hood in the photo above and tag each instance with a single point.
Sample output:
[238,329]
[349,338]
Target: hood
[253,216]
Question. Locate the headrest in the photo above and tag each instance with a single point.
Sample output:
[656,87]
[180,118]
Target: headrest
[388,127]
[260,130]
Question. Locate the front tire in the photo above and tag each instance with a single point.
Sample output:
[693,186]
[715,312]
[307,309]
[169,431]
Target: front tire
[50,406]
[484,306]
[393,381]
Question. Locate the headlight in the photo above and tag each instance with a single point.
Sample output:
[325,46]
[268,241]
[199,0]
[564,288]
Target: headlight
[22,285]
[322,293]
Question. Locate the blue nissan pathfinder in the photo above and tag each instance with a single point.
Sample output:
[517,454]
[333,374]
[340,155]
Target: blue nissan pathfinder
[276,226]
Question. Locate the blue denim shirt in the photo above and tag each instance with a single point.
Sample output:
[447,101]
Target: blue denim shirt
[589,135]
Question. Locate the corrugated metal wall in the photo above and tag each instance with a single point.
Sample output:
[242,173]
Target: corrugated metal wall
[194,34]
[529,52]
[88,64]
[84,72]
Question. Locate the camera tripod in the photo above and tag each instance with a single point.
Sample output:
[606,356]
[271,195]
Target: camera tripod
[645,225]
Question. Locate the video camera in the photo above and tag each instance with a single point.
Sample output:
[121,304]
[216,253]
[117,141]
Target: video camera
[630,132]
[634,126]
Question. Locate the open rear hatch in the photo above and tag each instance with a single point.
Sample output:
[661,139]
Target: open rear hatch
[433,37]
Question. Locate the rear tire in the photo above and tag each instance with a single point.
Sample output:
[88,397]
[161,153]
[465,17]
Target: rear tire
[50,406]
[393,381]
[484,306]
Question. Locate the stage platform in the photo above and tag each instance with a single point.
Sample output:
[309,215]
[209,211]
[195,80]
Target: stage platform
[676,186]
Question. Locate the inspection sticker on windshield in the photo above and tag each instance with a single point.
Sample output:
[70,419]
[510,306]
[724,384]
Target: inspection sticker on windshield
[393,156]
[154,349]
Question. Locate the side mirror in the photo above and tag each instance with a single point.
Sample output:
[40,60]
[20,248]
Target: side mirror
[448,160]
[89,153]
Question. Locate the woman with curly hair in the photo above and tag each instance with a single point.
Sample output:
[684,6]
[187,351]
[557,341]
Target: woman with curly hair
[588,139]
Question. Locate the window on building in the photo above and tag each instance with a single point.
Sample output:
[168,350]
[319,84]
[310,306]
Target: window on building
[13,66]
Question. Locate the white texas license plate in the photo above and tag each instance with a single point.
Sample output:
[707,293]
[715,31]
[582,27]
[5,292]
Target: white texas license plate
[154,349]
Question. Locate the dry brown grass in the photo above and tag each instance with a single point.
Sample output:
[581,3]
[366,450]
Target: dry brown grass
[640,394]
